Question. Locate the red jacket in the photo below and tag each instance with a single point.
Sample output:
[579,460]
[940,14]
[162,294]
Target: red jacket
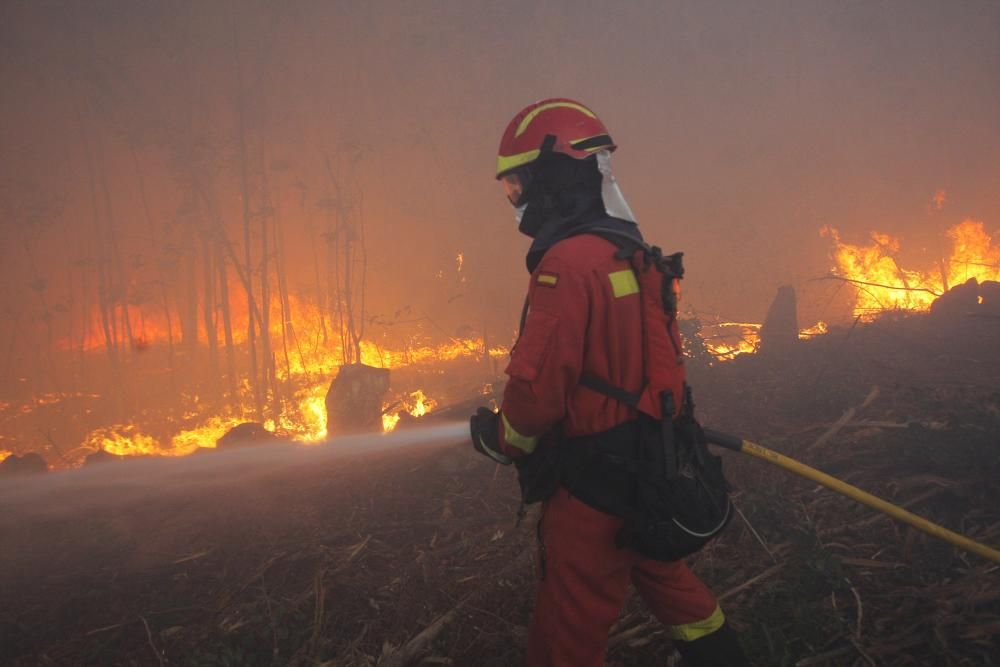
[584,317]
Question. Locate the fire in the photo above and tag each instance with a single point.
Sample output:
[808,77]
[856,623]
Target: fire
[4,453]
[817,329]
[124,440]
[128,440]
[415,403]
[727,340]
[882,284]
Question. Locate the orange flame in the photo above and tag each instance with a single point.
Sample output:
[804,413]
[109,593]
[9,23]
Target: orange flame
[884,285]
[415,403]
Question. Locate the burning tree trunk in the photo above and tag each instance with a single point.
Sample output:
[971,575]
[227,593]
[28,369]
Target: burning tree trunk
[354,400]
[781,328]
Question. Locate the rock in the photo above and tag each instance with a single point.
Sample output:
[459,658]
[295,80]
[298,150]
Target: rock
[781,327]
[957,302]
[989,291]
[354,400]
[100,457]
[247,434]
[29,464]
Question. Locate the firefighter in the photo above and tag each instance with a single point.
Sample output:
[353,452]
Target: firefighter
[582,316]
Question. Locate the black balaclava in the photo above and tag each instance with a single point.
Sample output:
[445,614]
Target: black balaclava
[564,199]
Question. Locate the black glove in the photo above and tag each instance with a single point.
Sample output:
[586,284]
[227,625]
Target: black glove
[485,429]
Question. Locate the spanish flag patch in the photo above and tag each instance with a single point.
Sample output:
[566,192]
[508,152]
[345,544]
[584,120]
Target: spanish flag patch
[547,279]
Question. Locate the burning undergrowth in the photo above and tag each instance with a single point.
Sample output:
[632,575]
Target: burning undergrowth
[272,556]
[418,561]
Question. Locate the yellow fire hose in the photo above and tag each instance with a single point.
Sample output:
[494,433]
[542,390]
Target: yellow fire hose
[753,449]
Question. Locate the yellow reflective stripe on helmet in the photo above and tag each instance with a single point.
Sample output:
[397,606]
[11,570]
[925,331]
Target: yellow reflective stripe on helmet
[526,121]
[623,283]
[508,162]
[526,443]
[692,631]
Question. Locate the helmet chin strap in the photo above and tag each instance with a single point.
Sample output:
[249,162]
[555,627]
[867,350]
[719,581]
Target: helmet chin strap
[614,201]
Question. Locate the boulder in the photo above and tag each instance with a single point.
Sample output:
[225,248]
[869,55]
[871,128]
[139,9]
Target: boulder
[100,457]
[354,400]
[781,327]
[17,466]
[247,434]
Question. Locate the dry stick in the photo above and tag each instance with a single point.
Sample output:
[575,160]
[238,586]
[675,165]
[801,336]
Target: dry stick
[625,635]
[857,646]
[318,611]
[823,658]
[754,532]
[149,636]
[409,651]
[844,419]
[861,614]
[774,569]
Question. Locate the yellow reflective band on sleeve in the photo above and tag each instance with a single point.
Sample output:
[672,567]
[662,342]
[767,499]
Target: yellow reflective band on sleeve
[526,443]
[623,283]
[692,631]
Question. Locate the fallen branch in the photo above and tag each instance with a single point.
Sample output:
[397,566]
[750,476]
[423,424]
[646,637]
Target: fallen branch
[771,571]
[843,421]
[408,653]
[152,645]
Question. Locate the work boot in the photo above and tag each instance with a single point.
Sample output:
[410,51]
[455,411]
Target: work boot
[718,649]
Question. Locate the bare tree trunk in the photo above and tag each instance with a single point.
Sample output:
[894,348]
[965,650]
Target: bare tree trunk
[154,247]
[170,332]
[208,312]
[103,301]
[188,306]
[119,283]
[227,323]
[245,191]
[287,329]
[320,292]
[270,384]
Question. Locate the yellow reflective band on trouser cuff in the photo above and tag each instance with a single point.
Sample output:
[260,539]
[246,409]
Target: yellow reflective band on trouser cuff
[692,631]
[623,283]
[523,442]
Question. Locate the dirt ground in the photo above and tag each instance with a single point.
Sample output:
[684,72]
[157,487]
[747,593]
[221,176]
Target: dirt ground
[410,555]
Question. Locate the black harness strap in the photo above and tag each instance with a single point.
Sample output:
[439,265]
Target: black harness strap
[602,387]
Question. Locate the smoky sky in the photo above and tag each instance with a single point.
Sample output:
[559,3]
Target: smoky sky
[742,129]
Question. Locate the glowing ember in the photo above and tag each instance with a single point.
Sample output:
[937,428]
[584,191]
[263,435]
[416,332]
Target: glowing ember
[817,329]
[5,453]
[884,285]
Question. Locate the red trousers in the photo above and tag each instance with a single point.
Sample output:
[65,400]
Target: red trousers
[584,584]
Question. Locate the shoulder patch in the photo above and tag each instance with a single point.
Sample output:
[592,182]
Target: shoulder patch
[547,279]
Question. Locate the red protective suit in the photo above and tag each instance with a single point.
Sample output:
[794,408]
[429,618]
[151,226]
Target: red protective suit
[584,317]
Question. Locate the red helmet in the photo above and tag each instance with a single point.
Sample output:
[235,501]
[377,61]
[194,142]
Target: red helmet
[556,125]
